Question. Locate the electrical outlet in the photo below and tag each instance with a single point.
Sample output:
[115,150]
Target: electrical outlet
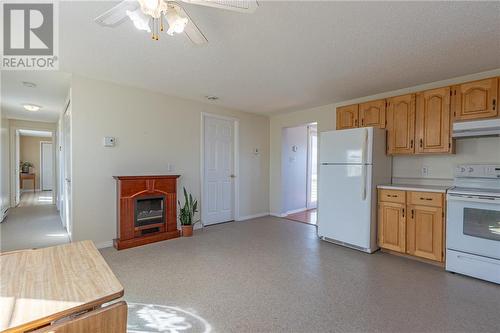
[425,171]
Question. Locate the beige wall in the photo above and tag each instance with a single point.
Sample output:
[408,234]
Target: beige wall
[30,151]
[405,169]
[4,165]
[152,130]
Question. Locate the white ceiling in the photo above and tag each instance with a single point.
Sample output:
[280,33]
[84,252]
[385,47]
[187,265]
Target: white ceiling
[50,93]
[40,134]
[285,56]
[289,55]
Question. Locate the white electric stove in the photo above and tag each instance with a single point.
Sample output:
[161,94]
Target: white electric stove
[473,222]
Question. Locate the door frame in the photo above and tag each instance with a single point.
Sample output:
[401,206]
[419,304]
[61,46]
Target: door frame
[309,203]
[14,175]
[236,165]
[41,165]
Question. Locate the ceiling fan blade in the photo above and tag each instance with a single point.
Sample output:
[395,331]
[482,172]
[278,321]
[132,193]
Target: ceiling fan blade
[191,30]
[241,6]
[117,14]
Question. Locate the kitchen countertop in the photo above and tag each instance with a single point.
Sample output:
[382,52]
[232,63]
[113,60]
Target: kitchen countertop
[408,187]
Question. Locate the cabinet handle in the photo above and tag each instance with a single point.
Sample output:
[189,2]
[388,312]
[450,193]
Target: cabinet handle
[363,121]
[403,212]
[411,143]
[412,213]
[494,104]
[392,195]
[428,199]
[421,143]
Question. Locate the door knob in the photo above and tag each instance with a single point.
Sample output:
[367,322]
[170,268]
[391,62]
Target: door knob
[232,176]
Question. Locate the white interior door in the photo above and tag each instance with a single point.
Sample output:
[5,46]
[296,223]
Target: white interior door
[67,169]
[46,166]
[218,173]
[17,159]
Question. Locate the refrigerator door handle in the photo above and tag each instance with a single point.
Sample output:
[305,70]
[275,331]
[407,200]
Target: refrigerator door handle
[363,182]
[364,147]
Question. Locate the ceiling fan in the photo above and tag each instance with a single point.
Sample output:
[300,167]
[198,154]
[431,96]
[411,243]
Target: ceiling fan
[149,15]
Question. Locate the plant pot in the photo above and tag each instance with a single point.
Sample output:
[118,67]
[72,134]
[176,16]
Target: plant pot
[187,230]
[25,169]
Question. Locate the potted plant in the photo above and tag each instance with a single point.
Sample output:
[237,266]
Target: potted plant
[25,167]
[186,214]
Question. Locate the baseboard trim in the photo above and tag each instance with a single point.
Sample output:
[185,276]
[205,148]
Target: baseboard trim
[277,215]
[254,216]
[103,245]
[29,190]
[296,211]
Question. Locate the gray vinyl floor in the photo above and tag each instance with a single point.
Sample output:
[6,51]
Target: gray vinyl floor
[273,275]
[35,223]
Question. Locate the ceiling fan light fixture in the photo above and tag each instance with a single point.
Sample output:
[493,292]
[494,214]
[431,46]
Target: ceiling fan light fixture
[151,7]
[31,107]
[141,21]
[176,22]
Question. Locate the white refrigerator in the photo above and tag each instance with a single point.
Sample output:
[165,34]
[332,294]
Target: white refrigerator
[352,163]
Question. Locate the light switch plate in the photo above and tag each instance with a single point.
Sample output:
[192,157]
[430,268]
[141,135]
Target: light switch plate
[425,171]
[109,141]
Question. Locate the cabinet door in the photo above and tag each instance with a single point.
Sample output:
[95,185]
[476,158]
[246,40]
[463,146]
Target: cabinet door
[401,124]
[372,114]
[392,226]
[433,121]
[424,232]
[347,117]
[475,100]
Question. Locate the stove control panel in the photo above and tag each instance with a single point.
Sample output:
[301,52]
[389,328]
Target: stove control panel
[491,171]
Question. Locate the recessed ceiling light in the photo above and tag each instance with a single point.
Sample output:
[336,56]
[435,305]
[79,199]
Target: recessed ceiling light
[29,84]
[212,98]
[31,107]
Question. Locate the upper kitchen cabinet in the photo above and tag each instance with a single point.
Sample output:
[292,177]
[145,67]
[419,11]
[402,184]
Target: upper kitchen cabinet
[401,124]
[433,121]
[347,117]
[372,114]
[475,100]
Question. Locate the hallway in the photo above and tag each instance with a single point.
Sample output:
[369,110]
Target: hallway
[34,223]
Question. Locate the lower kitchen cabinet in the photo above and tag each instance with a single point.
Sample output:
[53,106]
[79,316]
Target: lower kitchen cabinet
[412,223]
[392,226]
[424,232]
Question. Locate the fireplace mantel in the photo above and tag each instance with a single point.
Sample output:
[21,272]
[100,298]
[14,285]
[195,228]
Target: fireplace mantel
[134,192]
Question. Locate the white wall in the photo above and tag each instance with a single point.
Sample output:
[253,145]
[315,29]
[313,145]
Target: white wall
[152,130]
[468,150]
[4,166]
[294,168]
[324,116]
[405,169]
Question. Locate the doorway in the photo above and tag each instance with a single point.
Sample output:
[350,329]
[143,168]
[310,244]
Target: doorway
[35,161]
[299,172]
[33,220]
[218,169]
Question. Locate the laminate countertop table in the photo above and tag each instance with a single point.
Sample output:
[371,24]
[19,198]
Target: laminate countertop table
[40,286]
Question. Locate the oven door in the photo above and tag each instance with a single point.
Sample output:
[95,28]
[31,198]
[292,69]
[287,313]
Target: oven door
[473,225]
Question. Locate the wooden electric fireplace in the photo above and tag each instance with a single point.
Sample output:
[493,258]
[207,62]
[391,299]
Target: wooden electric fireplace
[147,209]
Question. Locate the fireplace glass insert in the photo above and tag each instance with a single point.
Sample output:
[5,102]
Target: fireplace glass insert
[149,210]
